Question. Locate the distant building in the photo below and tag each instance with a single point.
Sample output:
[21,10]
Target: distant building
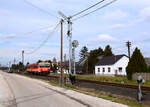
[112,65]
[54,61]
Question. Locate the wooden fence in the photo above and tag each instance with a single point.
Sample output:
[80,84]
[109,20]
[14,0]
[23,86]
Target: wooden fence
[146,76]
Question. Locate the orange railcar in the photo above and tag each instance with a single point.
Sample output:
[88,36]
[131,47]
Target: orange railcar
[40,68]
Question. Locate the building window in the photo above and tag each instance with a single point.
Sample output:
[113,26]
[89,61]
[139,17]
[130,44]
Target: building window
[120,69]
[103,69]
[98,69]
[109,69]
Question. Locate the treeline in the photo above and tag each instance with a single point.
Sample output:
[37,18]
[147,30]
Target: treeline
[92,57]
[137,63]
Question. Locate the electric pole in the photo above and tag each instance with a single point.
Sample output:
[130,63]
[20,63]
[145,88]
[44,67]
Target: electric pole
[75,44]
[73,60]
[14,60]
[69,23]
[23,57]
[65,66]
[61,54]
[69,33]
[128,44]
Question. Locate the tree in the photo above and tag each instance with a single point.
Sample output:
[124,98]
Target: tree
[48,61]
[39,61]
[108,51]
[92,60]
[136,64]
[27,63]
[54,68]
[83,52]
[21,66]
[14,66]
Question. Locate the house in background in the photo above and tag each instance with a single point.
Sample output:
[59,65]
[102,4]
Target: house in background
[112,65]
[147,60]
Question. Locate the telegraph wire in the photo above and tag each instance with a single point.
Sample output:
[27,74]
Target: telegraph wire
[42,10]
[95,10]
[45,41]
[87,8]
[28,33]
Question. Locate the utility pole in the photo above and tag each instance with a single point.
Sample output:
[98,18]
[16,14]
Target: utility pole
[14,60]
[128,44]
[65,66]
[23,57]
[61,54]
[87,63]
[22,68]
[73,60]
[69,33]
[75,44]
[69,23]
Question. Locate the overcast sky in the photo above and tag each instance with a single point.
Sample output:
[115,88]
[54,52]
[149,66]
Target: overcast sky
[24,27]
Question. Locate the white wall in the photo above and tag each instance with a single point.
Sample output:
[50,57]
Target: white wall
[106,70]
[123,62]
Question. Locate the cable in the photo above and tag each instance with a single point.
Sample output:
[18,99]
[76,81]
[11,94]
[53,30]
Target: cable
[43,41]
[40,9]
[27,33]
[95,10]
[88,8]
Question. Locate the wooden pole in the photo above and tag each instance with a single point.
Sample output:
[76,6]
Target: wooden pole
[61,53]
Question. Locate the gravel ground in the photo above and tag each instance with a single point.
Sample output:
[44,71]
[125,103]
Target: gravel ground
[122,93]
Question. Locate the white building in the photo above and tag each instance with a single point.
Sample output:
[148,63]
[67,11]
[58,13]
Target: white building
[112,65]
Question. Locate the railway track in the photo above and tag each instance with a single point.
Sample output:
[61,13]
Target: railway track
[94,82]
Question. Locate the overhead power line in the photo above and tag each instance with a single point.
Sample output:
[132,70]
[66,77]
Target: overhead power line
[28,33]
[42,10]
[45,41]
[88,8]
[95,10]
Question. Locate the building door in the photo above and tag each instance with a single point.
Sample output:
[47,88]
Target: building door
[116,72]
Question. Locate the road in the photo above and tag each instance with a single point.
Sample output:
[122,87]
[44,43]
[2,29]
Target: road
[20,91]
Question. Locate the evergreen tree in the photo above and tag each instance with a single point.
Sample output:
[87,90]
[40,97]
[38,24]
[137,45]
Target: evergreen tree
[39,61]
[83,52]
[136,64]
[108,51]
[27,63]
[48,61]
[92,60]
[21,66]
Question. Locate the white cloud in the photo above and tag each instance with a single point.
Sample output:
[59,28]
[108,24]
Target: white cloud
[116,15]
[7,36]
[117,26]
[145,14]
[102,38]
[106,38]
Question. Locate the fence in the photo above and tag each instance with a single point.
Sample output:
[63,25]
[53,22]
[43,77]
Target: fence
[146,76]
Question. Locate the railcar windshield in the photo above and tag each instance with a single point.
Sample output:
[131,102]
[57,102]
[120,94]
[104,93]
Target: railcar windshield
[44,65]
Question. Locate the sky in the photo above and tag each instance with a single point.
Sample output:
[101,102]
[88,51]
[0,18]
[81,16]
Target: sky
[25,27]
